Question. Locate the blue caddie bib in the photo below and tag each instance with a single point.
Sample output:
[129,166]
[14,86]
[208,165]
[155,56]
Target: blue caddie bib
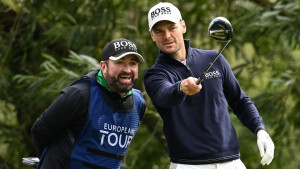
[107,133]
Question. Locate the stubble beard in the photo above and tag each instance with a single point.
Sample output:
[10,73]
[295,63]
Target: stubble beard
[171,51]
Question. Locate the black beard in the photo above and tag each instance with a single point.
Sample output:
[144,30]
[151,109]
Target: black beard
[115,84]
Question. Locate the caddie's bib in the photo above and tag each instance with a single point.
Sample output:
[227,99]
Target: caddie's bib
[107,133]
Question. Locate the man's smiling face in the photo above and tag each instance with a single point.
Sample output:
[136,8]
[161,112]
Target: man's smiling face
[121,74]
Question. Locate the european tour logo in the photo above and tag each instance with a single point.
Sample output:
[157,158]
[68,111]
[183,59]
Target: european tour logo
[124,45]
[116,135]
[160,11]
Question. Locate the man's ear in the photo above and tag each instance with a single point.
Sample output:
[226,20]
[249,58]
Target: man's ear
[183,26]
[151,33]
[103,66]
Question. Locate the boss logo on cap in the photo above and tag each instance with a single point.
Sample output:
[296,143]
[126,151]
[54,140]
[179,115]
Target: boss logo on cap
[124,45]
[160,11]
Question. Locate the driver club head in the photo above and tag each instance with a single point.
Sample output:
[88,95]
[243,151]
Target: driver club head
[220,29]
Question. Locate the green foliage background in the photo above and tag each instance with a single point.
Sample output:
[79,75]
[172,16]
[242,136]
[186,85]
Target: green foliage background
[46,45]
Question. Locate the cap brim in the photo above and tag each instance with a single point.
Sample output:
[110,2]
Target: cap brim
[140,57]
[174,20]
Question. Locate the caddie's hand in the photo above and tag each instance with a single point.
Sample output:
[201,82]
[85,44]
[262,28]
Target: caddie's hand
[189,86]
[266,147]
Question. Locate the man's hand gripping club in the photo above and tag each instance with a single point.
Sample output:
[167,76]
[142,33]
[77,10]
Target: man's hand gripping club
[189,86]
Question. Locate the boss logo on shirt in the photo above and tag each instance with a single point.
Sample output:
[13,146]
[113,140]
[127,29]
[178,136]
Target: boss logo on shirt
[212,74]
[160,11]
[124,45]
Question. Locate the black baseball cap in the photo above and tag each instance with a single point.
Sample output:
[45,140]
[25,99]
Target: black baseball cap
[119,48]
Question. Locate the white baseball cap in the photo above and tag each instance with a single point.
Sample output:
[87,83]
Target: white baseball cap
[163,11]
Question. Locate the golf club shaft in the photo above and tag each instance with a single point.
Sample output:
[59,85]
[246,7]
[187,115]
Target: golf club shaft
[200,79]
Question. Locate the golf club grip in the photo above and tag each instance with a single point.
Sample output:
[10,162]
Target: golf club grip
[200,79]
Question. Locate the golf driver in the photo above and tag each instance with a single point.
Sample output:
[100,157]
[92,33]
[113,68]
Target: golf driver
[219,29]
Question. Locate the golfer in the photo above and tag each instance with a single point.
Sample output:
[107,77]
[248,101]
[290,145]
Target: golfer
[196,121]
